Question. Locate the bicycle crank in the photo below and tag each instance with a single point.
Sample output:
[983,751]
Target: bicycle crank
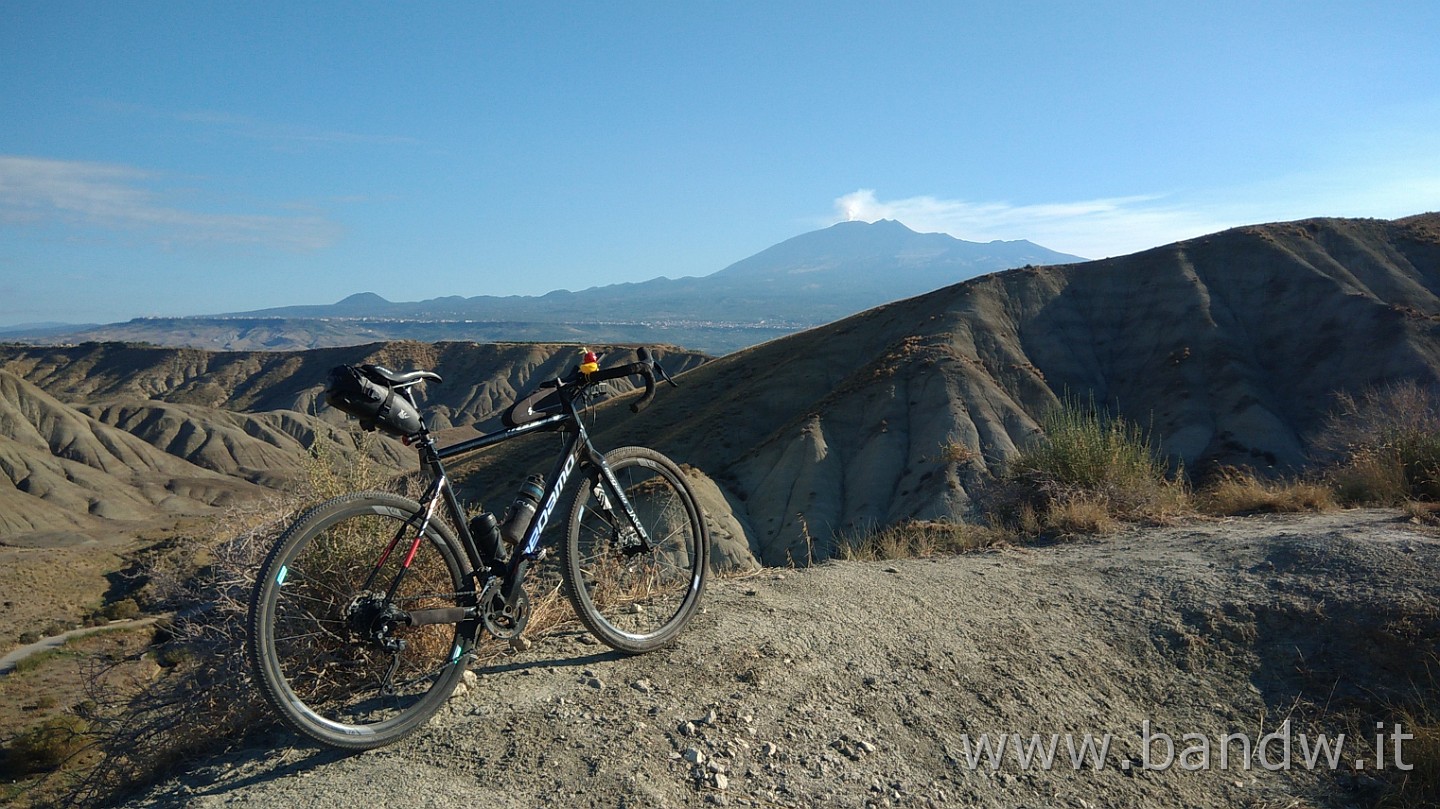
[503,619]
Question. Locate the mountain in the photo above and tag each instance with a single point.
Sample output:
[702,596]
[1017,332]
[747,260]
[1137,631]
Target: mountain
[1231,346]
[808,280]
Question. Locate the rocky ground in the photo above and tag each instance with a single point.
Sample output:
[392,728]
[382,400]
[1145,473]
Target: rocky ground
[854,685]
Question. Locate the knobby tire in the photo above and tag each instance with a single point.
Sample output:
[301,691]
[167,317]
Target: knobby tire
[636,602]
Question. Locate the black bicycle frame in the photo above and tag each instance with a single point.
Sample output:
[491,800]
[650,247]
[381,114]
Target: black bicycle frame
[578,450]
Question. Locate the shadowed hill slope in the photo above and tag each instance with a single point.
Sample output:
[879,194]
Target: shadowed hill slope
[1230,345]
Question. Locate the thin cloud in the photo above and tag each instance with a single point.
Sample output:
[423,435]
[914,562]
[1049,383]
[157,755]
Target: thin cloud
[1386,187]
[1090,228]
[42,191]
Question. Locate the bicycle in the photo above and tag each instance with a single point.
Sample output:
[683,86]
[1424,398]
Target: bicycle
[367,609]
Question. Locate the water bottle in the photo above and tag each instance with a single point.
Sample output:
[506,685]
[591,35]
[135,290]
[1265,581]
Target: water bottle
[485,529]
[517,521]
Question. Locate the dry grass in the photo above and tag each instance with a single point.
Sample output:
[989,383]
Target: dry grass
[1239,491]
[956,452]
[1419,716]
[1421,512]
[1384,445]
[1418,787]
[1370,477]
[1079,516]
[919,539]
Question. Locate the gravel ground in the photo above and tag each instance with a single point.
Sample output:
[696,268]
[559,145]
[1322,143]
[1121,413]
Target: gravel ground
[856,685]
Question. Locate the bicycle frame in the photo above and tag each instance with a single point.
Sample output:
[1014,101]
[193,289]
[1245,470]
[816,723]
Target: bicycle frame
[578,451]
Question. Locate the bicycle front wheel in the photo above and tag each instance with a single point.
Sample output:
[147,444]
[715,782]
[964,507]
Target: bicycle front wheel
[636,601]
[327,645]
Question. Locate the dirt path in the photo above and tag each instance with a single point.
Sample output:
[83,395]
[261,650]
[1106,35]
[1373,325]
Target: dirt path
[14,656]
[857,685]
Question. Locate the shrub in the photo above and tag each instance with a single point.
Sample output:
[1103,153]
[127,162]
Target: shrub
[1384,444]
[203,699]
[1083,471]
[124,609]
[141,726]
[46,746]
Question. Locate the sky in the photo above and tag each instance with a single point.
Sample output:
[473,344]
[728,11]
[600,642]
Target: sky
[174,158]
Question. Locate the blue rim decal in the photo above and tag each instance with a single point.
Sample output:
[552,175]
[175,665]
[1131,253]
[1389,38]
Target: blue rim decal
[280,577]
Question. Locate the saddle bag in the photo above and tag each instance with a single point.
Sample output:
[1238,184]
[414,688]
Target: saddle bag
[376,405]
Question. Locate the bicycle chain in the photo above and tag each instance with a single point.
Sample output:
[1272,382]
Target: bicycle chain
[447,596]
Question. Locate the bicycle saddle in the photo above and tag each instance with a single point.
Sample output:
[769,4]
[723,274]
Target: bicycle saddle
[383,374]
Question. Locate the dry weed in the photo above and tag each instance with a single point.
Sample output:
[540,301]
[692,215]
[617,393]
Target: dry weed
[201,699]
[1080,515]
[1420,785]
[918,539]
[1384,444]
[1239,491]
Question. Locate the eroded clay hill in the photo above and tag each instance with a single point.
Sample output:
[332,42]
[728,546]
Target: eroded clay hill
[245,415]
[480,380]
[1232,346]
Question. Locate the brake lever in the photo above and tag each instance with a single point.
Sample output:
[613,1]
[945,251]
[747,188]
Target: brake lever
[664,375]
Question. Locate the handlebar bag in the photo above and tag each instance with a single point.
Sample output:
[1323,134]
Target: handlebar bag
[376,406]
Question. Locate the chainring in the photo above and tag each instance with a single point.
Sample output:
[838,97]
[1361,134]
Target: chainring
[501,619]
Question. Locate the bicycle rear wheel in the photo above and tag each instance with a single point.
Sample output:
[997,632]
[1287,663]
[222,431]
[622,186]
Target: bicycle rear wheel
[636,602]
[316,608]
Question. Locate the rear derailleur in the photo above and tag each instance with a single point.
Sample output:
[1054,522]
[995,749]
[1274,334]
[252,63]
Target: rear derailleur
[374,621]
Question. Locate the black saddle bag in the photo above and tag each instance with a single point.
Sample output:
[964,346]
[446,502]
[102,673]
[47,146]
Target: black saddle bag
[376,405]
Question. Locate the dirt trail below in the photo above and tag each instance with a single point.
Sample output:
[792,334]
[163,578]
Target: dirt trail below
[857,685]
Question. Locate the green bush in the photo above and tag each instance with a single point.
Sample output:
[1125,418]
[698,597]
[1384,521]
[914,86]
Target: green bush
[1084,470]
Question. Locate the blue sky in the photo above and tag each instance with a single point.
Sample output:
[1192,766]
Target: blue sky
[161,158]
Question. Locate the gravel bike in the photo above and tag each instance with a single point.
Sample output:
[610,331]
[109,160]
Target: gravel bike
[365,613]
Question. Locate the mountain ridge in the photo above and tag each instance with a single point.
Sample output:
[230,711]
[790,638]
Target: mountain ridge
[806,280]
